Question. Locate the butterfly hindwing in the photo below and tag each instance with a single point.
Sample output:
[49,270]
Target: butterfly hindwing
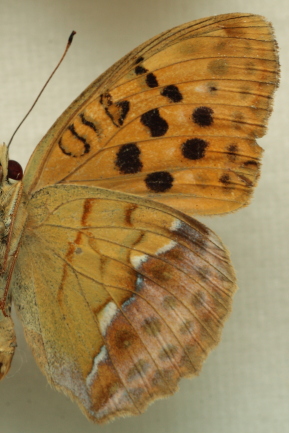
[126,297]
[175,120]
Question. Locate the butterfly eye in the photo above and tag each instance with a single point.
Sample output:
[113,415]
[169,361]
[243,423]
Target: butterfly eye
[15,171]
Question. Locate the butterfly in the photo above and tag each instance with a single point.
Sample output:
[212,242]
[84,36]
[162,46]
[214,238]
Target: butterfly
[120,290]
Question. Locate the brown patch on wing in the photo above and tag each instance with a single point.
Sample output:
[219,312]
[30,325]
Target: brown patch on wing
[128,213]
[171,320]
[87,208]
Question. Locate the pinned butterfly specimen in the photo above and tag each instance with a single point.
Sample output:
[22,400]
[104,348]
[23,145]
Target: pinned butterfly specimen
[120,291]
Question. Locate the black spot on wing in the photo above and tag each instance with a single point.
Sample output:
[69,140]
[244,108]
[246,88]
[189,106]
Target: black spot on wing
[151,80]
[203,116]
[156,124]
[194,149]
[159,181]
[225,179]
[232,152]
[128,159]
[124,109]
[172,93]
[139,60]
[139,70]
[212,89]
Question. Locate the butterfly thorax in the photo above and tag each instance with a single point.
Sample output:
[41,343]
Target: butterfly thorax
[10,199]
[12,220]
[11,226]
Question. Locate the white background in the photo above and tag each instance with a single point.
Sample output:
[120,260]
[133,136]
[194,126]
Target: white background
[244,385]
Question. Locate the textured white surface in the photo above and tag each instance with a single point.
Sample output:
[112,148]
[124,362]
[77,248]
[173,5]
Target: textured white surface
[244,385]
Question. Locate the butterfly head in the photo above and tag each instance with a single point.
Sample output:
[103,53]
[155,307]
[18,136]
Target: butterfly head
[9,169]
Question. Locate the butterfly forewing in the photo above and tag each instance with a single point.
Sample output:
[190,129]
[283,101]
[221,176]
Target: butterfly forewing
[176,120]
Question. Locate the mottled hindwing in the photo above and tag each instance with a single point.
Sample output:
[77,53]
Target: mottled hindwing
[120,296]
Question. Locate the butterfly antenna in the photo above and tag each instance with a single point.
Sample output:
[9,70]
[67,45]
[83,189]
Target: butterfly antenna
[69,42]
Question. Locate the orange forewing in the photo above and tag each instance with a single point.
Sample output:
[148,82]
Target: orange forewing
[175,120]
